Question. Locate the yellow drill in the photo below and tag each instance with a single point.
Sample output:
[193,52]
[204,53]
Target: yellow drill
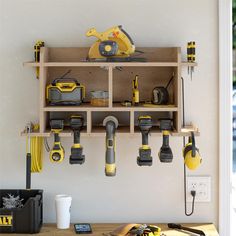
[145,125]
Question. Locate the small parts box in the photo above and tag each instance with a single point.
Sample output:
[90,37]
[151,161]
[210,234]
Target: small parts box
[29,218]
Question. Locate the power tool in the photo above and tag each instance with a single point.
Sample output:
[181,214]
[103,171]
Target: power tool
[112,45]
[145,125]
[76,124]
[135,95]
[111,124]
[57,153]
[165,153]
[65,91]
[192,158]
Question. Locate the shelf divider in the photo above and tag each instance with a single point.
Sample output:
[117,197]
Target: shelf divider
[110,85]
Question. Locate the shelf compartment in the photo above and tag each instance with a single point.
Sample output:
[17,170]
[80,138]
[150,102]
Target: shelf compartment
[98,117]
[93,78]
[148,79]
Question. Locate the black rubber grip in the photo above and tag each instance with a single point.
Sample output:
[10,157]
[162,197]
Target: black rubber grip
[28,171]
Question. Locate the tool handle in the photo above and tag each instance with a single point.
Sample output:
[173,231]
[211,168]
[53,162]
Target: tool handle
[56,138]
[165,140]
[178,226]
[76,136]
[67,80]
[196,231]
[144,138]
[28,171]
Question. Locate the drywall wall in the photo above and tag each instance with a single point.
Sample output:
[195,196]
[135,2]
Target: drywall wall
[136,194]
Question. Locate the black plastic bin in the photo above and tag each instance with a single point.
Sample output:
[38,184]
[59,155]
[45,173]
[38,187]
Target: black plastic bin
[29,218]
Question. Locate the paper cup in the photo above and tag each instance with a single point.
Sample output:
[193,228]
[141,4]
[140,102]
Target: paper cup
[63,205]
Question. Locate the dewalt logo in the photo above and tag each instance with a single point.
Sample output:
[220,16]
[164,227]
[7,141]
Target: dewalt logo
[5,220]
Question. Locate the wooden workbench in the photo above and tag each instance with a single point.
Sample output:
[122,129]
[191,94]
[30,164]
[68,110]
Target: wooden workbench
[99,229]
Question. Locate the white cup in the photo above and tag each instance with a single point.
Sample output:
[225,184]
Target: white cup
[63,205]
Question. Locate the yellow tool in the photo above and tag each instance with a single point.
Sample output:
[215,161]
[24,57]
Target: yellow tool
[57,153]
[37,47]
[112,45]
[111,124]
[135,96]
[192,158]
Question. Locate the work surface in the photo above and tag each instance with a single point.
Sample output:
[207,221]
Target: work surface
[100,229]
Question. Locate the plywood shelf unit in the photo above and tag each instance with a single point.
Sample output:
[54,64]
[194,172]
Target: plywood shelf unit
[116,78]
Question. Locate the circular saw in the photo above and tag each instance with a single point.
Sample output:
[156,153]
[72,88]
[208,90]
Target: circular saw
[112,45]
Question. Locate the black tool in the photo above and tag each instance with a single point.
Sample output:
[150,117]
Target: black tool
[145,125]
[180,227]
[28,157]
[76,124]
[165,153]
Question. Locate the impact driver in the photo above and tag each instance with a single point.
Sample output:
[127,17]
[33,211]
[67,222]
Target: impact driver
[144,158]
[76,124]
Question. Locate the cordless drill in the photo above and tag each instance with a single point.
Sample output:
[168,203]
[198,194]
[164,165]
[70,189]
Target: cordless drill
[76,124]
[111,124]
[165,153]
[57,153]
[144,158]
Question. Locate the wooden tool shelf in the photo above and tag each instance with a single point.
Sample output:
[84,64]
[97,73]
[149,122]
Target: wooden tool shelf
[116,78]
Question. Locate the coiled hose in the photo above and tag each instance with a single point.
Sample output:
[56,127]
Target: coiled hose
[36,150]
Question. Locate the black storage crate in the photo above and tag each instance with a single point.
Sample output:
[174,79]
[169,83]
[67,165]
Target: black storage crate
[29,218]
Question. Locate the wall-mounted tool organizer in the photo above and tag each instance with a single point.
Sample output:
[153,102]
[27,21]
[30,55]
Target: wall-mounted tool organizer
[116,78]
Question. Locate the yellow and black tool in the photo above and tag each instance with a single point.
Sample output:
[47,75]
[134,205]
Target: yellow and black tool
[112,45]
[191,56]
[145,230]
[145,125]
[192,157]
[65,91]
[76,124]
[165,154]
[37,47]
[111,124]
[135,91]
[57,153]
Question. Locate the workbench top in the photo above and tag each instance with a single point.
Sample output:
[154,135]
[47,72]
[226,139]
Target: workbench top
[99,229]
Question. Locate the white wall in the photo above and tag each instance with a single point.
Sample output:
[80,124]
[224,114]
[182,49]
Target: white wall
[136,194]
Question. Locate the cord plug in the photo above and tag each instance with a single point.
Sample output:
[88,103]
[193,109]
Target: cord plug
[193,193]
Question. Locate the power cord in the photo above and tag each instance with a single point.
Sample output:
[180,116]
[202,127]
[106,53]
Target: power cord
[193,192]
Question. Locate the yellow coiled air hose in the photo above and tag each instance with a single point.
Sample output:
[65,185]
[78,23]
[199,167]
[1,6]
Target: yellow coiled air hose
[36,150]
